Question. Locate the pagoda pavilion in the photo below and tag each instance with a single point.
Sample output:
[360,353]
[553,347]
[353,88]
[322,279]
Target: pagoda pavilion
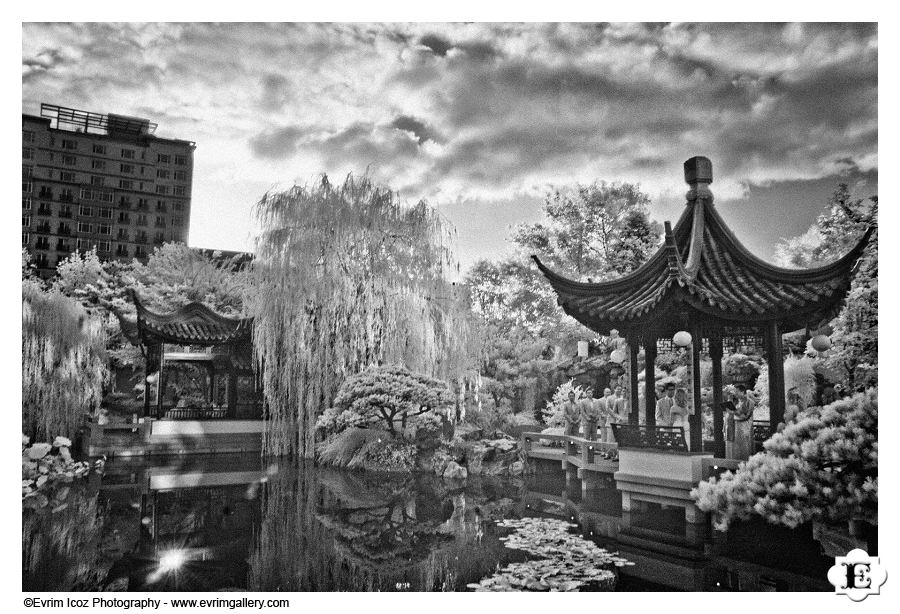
[703,281]
[217,346]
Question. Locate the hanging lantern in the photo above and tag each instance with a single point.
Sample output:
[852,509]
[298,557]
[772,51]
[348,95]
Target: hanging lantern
[617,356]
[682,339]
[821,343]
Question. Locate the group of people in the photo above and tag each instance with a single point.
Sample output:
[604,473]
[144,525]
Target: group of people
[672,409]
[611,408]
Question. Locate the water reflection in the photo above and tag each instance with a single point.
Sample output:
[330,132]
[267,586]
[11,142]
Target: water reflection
[239,523]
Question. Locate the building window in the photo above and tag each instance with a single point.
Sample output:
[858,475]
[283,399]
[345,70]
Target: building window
[67,176]
[99,149]
[27,153]
[27,187]
[70,160]
[65,211]
[126,168]
[98,164]
[164,158]
[180,176]
[128,154]
[141,220]
[123,234]
[26,238]
[178,206]
[43,242]
[125,184]
[124,218]
[162,189]
[67,195]
[27,136]
[105,197]
[161,206]
[96,180]
[121,250]
[69,144]
[103,246]
[64,229]
[177,221]
[26,221]
[160,222]
[85,210]
[140,252]
[63,246]
[86,194]
[162,173]
[27,172]
[105,213]
[142,204]
[180,160]
[85,227]
[44,209]
[104,229]
[26,204]
[179,190]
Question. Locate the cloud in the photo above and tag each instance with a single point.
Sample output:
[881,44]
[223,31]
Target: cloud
[482,111]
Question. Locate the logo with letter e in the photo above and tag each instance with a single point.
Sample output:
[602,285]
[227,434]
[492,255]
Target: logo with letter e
[857,575]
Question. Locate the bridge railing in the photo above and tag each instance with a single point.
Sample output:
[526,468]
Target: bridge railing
[584,447]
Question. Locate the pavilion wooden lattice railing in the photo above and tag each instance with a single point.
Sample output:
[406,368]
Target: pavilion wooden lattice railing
[653,437]
[196,413]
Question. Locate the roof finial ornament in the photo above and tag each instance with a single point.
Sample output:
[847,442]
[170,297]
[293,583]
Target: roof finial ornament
[698,174]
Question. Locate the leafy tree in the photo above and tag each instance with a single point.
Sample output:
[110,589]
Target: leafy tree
[855,330]
[824,467]
[553,413]
[63,362]
[599,230]
[388,397]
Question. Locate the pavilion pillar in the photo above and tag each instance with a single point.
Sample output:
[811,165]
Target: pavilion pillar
[775,358]
[634,385]
[231,391]
[650,380]
[696,420]
[160,383]
[152,359]
[715,353]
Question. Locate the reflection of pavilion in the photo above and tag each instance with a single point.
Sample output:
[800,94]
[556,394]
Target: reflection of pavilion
[200,391]
[668,553]
[704,282]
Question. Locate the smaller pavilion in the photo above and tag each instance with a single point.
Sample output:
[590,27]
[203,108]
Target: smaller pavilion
[215,346]
[703,281]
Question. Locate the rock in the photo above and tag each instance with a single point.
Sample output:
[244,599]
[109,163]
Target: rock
[476,456]
[517,468]
[38,451]
[468,432]
[439,461]
[457,450]
[455,472]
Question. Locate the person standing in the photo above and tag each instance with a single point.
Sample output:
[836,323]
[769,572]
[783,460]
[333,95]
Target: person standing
[664,406]
[572,414]
[740,424]
[680,413]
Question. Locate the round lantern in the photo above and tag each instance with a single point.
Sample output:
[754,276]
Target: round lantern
[682,339]
[617,356]
[821,343]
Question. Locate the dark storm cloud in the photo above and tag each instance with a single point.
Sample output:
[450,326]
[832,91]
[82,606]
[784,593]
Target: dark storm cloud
[438,45]
[420,129]
[278,143]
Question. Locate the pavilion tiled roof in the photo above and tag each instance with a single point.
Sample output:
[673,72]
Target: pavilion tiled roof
[703,266]
[192,324]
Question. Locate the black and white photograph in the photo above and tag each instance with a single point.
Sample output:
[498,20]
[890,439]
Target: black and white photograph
[448,306]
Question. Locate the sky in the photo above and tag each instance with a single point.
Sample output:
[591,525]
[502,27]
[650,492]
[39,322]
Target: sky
[482,120]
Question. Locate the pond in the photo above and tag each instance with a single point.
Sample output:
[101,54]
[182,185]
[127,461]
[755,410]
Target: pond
[245,523]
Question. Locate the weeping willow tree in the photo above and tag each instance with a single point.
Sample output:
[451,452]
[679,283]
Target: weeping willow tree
[346,277]
[63,363]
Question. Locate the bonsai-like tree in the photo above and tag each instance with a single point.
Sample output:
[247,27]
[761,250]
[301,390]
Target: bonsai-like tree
[388,397]
[822,467]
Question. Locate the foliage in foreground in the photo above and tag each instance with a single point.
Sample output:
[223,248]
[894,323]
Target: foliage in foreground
[553,413]
[822,467]
[63,362]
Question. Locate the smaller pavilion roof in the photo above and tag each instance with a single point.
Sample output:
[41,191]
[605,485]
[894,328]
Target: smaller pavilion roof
[192,324]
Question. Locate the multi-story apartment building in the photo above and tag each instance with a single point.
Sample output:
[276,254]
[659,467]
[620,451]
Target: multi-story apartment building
[105,181]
